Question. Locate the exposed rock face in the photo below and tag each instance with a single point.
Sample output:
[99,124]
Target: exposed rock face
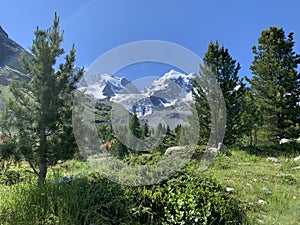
[11,67]
[170,90]
[2,32]
[10,52]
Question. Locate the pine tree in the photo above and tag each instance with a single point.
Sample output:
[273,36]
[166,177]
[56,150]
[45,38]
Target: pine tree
[119,150]
[160,131]
[276,82]
[210,107]
[226,69]
[135,126]
[251,117]
[41,110]
[145,131]
[203,114]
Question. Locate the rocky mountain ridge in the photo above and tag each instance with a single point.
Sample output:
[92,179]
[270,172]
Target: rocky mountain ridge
[172,90]
[10,52]
[11,66]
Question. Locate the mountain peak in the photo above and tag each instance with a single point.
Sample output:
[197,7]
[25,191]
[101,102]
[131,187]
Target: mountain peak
[172,72]
[2,32]
[10,52]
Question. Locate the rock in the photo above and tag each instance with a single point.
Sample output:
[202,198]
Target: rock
[243,163]
[259,221]
[224,149]
[266,190]
[2,32]
[212,150]
[10,52]
[229,189]
[11,67]
[273,159]
[221,148]
[284,140]
[283,175]
[297,158]
[171,150]
[249,185]
[261,202]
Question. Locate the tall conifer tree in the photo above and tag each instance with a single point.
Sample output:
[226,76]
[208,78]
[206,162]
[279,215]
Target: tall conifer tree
[226,69]
[276,82]
[41,110]
[135,126]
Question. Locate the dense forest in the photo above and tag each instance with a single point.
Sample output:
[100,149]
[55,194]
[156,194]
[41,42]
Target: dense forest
[254,178]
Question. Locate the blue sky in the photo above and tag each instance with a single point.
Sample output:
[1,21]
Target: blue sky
[96,26]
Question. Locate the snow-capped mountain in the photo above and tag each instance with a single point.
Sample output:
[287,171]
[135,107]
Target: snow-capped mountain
[185,82]
[170,90]
[172,86]
[105,86]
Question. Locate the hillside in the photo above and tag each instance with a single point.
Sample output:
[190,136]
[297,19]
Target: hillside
[10,64]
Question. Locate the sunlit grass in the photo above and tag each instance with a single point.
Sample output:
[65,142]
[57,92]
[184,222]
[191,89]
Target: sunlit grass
[269,193]
[253,179]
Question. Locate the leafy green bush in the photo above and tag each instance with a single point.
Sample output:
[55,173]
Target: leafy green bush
[190,199]
[10,177]
[186,198]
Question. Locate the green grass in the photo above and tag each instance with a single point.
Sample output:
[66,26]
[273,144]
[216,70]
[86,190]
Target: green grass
[252,176]
[92,199]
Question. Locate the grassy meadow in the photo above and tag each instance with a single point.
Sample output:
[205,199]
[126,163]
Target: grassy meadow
[244,188]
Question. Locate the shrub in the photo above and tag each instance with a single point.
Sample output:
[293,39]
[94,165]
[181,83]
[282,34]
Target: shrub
[10,177]
[186,198]
[190,199]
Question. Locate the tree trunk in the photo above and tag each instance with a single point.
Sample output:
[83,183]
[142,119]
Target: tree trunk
[43,165]
[250,138]
[255,136]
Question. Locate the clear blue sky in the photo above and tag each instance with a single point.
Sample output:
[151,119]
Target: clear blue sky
[96,26]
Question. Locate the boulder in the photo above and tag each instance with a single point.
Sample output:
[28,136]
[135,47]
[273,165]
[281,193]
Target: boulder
[284,140]
[273,159]
[171,150]
[212,150]
[229,189]
[222,148]
[297,158]
[261,202]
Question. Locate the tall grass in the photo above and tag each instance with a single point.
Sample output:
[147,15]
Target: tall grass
[92,199]
[189,197]
[82,201]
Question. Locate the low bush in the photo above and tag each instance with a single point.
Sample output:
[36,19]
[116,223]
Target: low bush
[189,199]
[186,198]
